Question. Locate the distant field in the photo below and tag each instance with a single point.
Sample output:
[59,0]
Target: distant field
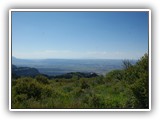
[62,66]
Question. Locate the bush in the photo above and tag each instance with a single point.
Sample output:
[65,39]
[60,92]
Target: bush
[97,101]
[84,85]
[42,79]
[47,91]
[139,81]
[115,75]
[28,86]
[67,89]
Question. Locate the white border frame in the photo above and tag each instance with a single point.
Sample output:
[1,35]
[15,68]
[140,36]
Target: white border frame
[65,10]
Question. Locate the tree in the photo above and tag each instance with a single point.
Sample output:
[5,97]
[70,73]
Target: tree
[126,64]
[140,87]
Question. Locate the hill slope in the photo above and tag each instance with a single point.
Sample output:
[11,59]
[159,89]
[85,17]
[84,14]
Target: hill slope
[24,71]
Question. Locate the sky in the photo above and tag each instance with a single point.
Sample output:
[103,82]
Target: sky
[79,35]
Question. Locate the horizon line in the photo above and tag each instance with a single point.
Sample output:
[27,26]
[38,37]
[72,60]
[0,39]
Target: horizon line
[76,58]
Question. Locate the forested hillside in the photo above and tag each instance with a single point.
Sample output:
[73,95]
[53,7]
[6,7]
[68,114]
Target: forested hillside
[24,72]
[127,88]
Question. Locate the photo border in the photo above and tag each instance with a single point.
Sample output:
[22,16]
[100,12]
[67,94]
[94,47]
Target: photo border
[78,10]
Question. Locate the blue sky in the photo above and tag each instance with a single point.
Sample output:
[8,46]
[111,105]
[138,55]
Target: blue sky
[79,35]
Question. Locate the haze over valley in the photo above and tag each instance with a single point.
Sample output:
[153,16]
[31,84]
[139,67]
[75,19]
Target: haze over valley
[62,66]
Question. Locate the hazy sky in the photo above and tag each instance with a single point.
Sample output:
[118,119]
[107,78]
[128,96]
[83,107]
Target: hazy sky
[93,35]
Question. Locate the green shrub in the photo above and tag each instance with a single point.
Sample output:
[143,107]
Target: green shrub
[28,86]
[42,79]
[78,92]
[97,101]
[84,84]
[21,97]
[114,75]
[46,91]
[67,89]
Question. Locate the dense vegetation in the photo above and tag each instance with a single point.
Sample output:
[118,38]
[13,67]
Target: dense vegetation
[127,88]
[24,71]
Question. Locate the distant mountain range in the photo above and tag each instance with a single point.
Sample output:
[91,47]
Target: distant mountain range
[54,67]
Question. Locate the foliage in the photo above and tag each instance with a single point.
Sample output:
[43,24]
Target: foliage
[42,79]
[140,87]
[126,64]
[127,88]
